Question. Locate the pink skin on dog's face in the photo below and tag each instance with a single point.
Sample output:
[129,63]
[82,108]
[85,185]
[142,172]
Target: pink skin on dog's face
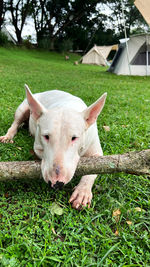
[60,141]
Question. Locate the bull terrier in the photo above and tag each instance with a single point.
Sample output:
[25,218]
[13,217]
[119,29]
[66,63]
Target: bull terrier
[64,129]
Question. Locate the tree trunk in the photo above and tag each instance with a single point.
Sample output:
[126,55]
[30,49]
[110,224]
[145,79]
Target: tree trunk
[137,163]
[18,34]
[1,13]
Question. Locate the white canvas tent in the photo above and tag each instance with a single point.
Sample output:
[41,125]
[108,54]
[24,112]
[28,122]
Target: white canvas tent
[97,55]
[138,55]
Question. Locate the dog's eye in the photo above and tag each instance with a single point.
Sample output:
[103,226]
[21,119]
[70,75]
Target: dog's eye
[73,138]
[46,137]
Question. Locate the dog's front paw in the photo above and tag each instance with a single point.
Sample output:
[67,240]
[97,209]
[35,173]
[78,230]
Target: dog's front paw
[81,196]
[5,139]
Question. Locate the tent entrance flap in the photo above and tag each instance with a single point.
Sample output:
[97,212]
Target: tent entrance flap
[141,57]
[116,57]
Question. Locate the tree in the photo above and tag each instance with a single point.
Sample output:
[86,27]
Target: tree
[83,23]
[92,31]
[2,12]
[19,11]
[53,17]
[132,16]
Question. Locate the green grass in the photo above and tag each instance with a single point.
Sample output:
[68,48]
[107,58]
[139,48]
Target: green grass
[30,234]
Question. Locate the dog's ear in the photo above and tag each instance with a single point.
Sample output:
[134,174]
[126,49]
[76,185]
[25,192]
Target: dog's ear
[91,113]
[35,106]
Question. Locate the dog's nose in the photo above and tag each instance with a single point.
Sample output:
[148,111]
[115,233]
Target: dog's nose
[58,185]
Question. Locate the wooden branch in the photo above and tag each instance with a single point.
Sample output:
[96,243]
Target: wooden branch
[137,163]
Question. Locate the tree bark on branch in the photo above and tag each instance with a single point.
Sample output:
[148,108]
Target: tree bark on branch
[137,163]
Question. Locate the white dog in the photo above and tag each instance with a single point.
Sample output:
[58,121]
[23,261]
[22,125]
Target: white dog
[64,130]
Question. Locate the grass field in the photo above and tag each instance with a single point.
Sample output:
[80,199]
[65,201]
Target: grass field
[31,231]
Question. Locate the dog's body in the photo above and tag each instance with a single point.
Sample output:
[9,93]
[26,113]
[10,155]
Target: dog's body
[64,130]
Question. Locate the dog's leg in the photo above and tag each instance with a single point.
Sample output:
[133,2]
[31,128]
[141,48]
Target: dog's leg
[82,194]
[22,114]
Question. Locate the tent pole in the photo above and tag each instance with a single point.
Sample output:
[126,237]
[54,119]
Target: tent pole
[146,55]
[125,33]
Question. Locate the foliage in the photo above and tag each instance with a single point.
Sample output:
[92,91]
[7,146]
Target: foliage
[44,43]
[63,45]
[53,18]
[27,42]
[3,39]
[2,13]
[84,23]
[115,230]
[132,17]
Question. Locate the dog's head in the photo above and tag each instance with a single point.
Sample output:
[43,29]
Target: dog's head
[60,134]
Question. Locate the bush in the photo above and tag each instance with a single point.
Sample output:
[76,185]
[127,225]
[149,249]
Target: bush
[64,46]
[44,43]
[3,39]
[59,45]
[27,42]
